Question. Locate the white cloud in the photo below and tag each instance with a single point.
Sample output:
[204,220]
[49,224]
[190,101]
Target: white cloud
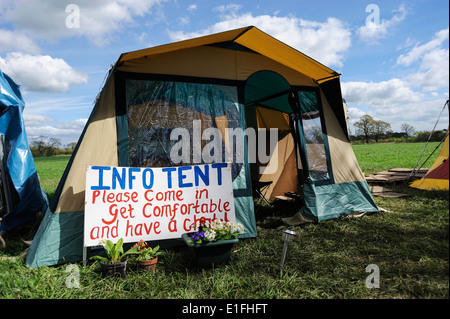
[50,131]
[73,104]
[385,94]
[15,41]
[434,63]
[72,125]
[41,72]
[192,7]
[326,41]
[37,124]
[419,51]
[434,71]
[354,114]
[373,31]
[183,20]
[99,20]
[422,115]
[413,98]
[36,120]
[230,8]
[66,131]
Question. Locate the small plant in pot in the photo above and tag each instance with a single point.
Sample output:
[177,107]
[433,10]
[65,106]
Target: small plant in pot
[146,256]
[115,261]
[211,244]
[216,231]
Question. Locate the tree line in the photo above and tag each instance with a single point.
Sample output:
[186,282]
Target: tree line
[368,129]
[49,146]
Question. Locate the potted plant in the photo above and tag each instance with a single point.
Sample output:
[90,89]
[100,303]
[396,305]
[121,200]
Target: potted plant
[147,257]
[114,262]
[211,244]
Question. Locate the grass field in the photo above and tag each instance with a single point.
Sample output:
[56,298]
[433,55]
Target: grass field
[50,170]
[409,244]
[373,158]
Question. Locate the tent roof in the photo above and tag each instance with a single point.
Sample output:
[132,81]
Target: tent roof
[254,39]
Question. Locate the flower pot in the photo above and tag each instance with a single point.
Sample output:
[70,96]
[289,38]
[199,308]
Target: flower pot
[119,268]
[211,254]
[148,265]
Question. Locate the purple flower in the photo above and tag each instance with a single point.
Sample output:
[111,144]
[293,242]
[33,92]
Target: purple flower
[198,236]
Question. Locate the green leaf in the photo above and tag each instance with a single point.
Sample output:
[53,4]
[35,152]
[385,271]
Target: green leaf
[106,260]
[119,246]
[109,247]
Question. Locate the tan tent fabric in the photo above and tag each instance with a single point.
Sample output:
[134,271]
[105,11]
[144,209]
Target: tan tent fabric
[284,179]
[191,43]
[248,63]
[276,50]
[94,150]
[222,125]
[343,160]
[208,62]
[250,37]
[198,61]
[268,118]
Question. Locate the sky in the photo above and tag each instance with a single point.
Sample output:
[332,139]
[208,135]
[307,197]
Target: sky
[393,55]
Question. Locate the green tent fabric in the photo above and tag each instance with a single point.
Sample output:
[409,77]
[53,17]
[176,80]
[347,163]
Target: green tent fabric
[268,89]
[328,201]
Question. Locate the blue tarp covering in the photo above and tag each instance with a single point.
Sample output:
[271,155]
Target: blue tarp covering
[29,199]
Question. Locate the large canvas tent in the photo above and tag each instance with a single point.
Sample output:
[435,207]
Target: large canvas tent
[21,196]
[239,79]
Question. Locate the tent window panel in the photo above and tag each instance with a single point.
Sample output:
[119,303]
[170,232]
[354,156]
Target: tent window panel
[313,135]
[181,123]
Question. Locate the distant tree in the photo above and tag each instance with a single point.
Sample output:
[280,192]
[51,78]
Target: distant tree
[408,129]
[45,144]
[380,129]
[365,126]
[71,145]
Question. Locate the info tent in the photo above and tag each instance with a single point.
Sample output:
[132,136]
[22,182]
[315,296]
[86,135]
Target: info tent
[241,83]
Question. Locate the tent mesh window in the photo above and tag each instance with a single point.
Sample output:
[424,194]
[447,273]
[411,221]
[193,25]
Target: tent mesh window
[313,134]
[180,123]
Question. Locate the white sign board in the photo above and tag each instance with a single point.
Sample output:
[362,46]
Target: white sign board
[154,203]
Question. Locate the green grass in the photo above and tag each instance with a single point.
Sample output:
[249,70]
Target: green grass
[373,158]
[409,244]
[50,170]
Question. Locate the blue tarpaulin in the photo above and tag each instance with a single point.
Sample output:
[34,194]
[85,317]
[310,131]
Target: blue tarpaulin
[28,199]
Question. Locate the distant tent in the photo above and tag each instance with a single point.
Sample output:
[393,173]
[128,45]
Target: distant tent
[236,79]
[21,196]
[437,176]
